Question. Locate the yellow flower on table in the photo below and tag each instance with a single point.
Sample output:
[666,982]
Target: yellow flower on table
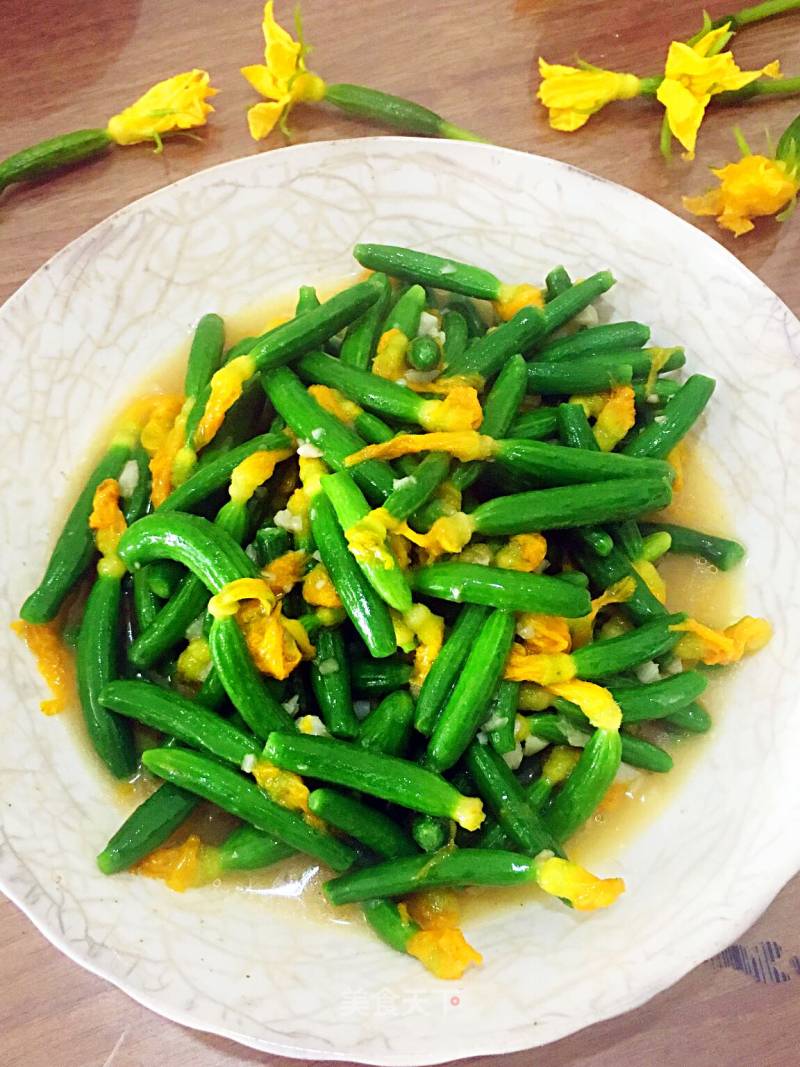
[752,188]
[282,79]
[573,94]
[178,103]
[695,73]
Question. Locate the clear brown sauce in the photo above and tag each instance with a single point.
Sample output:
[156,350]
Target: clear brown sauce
[694,586]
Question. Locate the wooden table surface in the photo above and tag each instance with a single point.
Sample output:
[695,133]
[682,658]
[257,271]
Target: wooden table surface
[70,65]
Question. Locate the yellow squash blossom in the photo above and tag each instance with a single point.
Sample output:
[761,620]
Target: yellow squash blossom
[584,891]
[163,459]
[282,79]
[319,590]
[675,459]
[596,703]
[226,387]
[752,188]
[109,525]
[332,401]
[448,534]
[616,417]
[276,644]
[648,572]
[555,672]
[460,410]
[582,628]
[283,573]
[390,356]
[544,633]
[513,298]
[178,103]
[524,552]
[253,471]
[573,94]
[695,73]
[428,629]
[445,386]
[721,647]
[465,445]
[194,663]
[439,944]
[284,787]
[182,866]
[544,668]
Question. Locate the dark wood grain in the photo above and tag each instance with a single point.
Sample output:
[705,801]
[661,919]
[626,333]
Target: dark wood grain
[72,64]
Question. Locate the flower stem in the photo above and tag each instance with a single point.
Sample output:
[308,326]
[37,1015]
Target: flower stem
[665,138]
[762,87]
[457,133]
[741,142]
[649,86]
[757,13]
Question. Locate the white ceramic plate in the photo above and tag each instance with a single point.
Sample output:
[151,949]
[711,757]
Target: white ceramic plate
[79,336]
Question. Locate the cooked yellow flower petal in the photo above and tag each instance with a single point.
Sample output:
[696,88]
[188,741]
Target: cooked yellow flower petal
[434,909]
[648,572]
[544,633]
[524,552]
[596,703]
[283,574]
[429,631]
[460,410]
[658,357]
[367,539]
[592,403]
[226,601]
[109,525]
[54,661]
[562,878]
[277,645]
[617,417]
[162,461]
[390,357]
[573,95]
[582,629]
[444,952]
[449,533]
[178,103]
[346,411]
[721,647]
[179,866]
[544,668]
[253,471]
[194,662]
[514,298]
[752,188]
[469,813]
[283,787]
[560,763]
[158,421]
[465,445]
[319,590]
[445,386]
[226,388]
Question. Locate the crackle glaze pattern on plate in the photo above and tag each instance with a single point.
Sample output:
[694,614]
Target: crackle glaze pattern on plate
[79,336]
